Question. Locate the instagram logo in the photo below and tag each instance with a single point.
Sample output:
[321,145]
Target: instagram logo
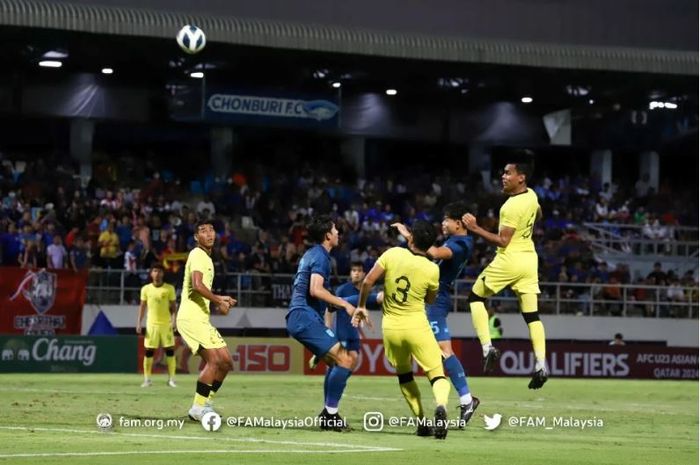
[373,421]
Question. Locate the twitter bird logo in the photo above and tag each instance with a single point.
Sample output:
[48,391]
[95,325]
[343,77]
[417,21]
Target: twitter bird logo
[492,422]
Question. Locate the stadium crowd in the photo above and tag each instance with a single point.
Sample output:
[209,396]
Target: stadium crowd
[48,220]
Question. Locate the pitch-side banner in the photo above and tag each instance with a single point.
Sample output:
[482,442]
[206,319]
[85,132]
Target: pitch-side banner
[565,360]
[590,360]
[41,302]
[250,355]
[68,354]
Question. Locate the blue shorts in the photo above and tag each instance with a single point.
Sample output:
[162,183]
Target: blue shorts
[306,326]
[437,316]
[348,335]
[351,344]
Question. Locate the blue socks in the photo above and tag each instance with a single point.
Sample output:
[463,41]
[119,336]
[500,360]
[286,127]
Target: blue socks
[325,384]
[337,380]
[457,376]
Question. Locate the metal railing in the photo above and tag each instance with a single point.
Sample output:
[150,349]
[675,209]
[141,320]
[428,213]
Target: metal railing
[118,287]
[629,239]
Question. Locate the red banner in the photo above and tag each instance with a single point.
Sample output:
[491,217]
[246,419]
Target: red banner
[565,360]
[41,302]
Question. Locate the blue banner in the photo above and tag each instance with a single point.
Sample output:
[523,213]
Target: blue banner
[262,108]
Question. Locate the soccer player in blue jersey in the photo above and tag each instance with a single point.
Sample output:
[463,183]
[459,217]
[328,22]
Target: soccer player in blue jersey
[310,297]
[453,256]
[347,334]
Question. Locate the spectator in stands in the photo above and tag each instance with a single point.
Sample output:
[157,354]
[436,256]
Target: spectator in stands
[11,244]
[124,231]
[657,276]
[641,187]
[30,257]
[56,254]
[109,247]
[79,259]
[617,340]
[675,294]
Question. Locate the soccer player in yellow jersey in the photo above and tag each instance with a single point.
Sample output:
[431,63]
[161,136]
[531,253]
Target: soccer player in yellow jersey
[410,281]
[159,298]
[515,265]
[193,320]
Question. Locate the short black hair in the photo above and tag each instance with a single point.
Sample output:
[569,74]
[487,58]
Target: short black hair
[357,263]
[424,235]
[524,162]
[157,266]
[618,335]
[455,210]
[319,227]
[202,222]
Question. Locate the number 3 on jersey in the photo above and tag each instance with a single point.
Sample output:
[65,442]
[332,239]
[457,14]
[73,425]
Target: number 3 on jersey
[402,290]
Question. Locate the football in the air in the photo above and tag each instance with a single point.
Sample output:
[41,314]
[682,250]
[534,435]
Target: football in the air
[191,39]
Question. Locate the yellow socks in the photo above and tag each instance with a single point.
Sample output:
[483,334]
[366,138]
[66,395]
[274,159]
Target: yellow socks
[538,340]
[441,390]
[147,367]
[411,393]
[480,320]
[172,365]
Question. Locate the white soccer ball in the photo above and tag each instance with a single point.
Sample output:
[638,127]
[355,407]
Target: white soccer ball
[191,39]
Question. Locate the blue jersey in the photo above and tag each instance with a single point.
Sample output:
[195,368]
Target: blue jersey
[343,320]
[316,260]
[461,247]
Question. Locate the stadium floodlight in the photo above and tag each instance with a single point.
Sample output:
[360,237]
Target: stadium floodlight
[107,71]
[591,101]
[197,75]
[391,92]
[50,64]
[336,84]
[526,99]
[660,105]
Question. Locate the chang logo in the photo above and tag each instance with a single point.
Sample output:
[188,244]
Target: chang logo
[39,289]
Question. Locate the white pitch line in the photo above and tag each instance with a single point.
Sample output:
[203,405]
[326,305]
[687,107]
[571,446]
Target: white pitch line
[219,451]
[351,447]
[62,391]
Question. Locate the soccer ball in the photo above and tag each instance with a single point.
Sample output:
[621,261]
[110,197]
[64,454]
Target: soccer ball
[191,39]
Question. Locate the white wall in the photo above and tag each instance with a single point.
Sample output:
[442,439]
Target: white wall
[676,332]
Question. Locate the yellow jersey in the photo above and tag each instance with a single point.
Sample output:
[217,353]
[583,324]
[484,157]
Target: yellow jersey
[192,304]
[158,299]
[519,212]
[407,279]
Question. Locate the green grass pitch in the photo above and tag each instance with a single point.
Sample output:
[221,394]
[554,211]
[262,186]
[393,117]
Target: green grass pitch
[50,419]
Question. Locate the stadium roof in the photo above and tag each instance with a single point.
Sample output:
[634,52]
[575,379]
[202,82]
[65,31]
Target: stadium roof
[338,39]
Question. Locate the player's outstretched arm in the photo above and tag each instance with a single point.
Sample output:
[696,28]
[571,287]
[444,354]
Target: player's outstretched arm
[502,239]
[318,291]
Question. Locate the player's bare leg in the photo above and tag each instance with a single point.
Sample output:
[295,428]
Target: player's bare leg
[218,363]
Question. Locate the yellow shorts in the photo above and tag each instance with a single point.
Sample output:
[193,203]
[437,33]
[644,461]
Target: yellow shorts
[159,336]
[401,344]
[517,271]
[200,334]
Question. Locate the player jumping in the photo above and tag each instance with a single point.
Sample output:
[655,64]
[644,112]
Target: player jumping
[515,265]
